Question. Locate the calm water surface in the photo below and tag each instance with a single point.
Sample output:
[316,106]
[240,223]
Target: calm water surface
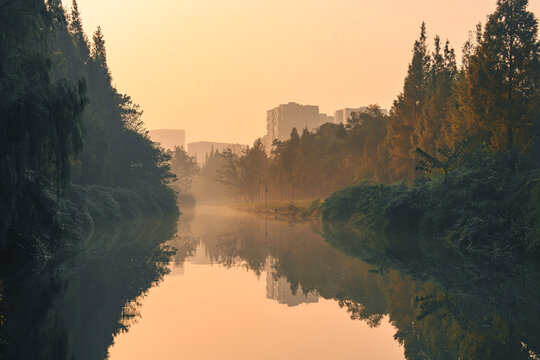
[219,284]
[242,287]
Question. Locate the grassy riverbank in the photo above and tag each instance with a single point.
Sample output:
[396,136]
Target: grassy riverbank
[489,204]
[295,210]
[78,213]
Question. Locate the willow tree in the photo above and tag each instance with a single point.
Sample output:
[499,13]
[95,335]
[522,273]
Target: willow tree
[40,126]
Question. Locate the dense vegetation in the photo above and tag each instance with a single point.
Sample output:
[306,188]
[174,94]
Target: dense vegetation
[491,201]
[206,187]
[482,194]
[184,168]
[64,123]
[308,165]
[490,101]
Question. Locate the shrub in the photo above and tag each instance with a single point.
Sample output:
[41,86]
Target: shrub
[492,200]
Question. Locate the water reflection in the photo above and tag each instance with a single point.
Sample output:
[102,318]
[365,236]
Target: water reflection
[442,305]
[244,288]
[278,288]
[73,309]
[210,247]
[237,281]
[299,265]
[465,305]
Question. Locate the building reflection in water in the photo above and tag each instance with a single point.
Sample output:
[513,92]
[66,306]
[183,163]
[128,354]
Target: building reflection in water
[279,289]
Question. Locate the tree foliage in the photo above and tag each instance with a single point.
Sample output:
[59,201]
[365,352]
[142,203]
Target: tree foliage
[40,117]
[61,120]
[184,167]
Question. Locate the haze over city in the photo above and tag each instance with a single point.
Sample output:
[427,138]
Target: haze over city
[215,67]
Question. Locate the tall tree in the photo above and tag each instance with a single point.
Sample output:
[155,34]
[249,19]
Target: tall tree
[367,131]
[185,167]
[504,76]
[99,53]
[77,32]
[441,78]
[459,126]
[407,110]
[230,174]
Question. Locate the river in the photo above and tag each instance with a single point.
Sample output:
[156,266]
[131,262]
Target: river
[226,297]
[221,284]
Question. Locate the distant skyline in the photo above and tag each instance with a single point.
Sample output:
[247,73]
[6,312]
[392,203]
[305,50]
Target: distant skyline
[214,67]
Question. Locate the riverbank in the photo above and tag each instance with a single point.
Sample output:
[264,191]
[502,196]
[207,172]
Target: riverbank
[289,210]
[490,203]
[79,212]
[486,208]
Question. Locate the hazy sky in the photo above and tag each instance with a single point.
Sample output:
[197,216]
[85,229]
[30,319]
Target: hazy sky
[213,67]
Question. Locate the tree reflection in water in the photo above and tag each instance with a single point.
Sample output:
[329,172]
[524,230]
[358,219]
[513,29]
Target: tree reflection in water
[73,309]
[444,306]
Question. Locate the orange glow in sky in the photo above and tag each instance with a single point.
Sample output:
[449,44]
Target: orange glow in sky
[213,67]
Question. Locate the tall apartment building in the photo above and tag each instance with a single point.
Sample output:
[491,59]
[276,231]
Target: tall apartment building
[282,119]
[201,149]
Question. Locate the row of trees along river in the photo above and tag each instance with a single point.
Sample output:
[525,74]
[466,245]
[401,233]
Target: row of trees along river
[488,102]
[73,151]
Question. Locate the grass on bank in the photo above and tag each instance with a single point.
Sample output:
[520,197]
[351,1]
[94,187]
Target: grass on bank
[285,209]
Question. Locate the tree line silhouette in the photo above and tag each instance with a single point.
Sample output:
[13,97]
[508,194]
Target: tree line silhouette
[65,127]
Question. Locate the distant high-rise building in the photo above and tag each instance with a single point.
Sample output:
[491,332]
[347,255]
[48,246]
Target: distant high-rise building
[343,115]
[201,149]
[169,138]
[282,119]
